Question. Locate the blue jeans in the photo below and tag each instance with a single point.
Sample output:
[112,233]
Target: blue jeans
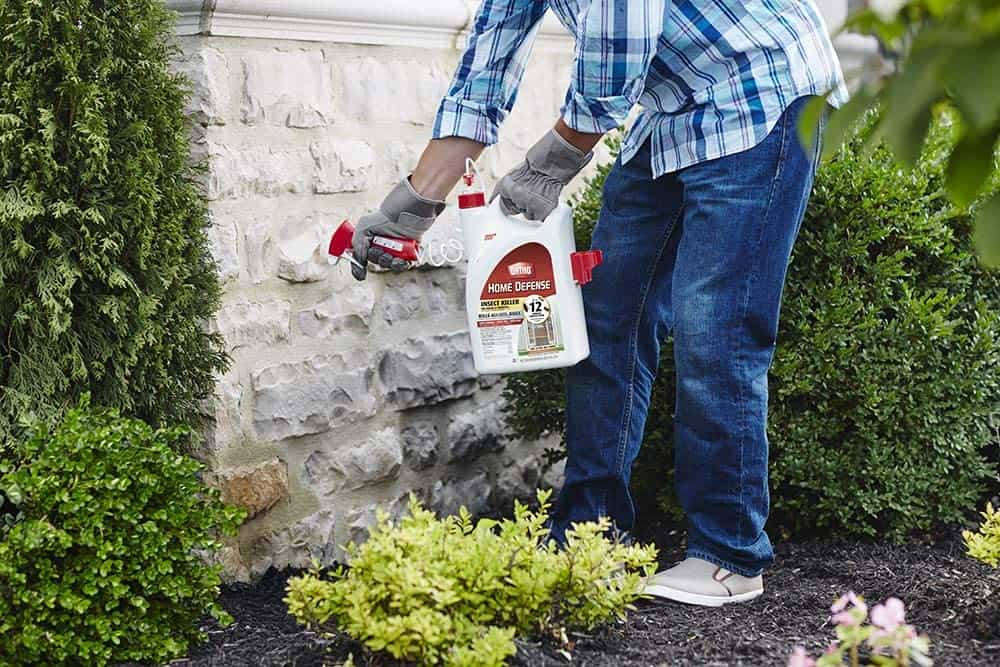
[700,254]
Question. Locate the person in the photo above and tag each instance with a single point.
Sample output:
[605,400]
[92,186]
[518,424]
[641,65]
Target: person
[700,212]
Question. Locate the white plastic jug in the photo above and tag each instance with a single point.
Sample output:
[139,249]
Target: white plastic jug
[523,299]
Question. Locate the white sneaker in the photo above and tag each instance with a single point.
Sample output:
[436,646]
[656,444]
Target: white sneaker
[696,581]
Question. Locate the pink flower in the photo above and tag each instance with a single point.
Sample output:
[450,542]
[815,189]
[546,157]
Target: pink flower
[847,598]
[855,615]
[798,658]
[890,614]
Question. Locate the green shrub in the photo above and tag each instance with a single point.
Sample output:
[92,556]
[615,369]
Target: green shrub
[105,273]
[887,361]
[104,566]
[453,592]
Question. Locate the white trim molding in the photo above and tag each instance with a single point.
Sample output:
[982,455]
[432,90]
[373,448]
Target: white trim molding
[419,23]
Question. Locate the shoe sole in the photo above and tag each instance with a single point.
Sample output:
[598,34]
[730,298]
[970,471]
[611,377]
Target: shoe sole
[667,593]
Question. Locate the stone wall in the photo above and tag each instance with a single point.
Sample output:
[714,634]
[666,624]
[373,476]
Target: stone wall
[342,395]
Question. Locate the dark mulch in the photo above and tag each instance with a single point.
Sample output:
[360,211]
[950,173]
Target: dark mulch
[947,596]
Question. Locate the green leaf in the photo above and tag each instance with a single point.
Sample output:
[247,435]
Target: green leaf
[970,165]
[987,234]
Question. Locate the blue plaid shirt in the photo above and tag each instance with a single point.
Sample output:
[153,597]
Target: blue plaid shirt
[712,76]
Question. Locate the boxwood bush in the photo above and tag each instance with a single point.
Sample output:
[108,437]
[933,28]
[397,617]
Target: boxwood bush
[105,274]
[886,370]
[104,566]
[455,592]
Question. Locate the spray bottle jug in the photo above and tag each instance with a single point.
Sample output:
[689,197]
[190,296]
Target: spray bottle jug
[523,298]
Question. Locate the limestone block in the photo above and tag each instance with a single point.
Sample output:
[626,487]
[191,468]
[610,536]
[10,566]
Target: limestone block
[518,480]
[223,423]
[303,250]
[297,545]
[381,90]
[421,443]
[342,166]
[348,309]
[403,297]
[428,371]
[473,493]
[254,322]
[255,489]
[472,433]
[234,568]
[208,71]
[242,172]
[489,381]
[361,521]
[286,88]
[446,293]
[400,159]
[223,241]
[310,396]
[376,459]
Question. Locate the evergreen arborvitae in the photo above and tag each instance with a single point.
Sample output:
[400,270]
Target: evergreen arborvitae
[105,274]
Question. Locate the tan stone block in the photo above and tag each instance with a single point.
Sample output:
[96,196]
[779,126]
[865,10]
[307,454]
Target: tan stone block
[256,489]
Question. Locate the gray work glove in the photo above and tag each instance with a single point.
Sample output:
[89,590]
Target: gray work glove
[533,187]
[403,214]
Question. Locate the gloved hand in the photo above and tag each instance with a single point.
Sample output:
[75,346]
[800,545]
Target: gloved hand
[403,214]
[533,187]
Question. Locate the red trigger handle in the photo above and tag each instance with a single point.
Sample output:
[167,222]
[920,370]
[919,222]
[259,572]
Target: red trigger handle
[405,249]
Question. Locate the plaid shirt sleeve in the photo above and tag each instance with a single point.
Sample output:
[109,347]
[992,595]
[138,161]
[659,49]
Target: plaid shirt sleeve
[615,44]
[485,85]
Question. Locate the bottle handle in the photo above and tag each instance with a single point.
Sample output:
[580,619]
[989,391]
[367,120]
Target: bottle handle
[495,204]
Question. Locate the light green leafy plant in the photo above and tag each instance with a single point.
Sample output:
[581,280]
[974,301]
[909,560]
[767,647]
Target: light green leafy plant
[104,565]
[984,544]
[455,592]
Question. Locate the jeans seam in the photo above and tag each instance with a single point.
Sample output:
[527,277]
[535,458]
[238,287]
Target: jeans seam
[744,315]
[633,348]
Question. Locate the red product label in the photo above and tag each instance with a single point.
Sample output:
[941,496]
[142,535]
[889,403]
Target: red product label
[525,270]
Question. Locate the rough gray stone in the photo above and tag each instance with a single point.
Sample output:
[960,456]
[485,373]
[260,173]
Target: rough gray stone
[242,172]
[342,166]
[360,522]
[222,411]
[261,253]
[223,241]
[297,545]
[517,481]
[288,88]
[298,398]
[428,371]
[302,249]
[374,87]
[349,308]
[254,322]
[446,293]
[473,493]
[474,433]
[377,459]
[208,71]
[402,299]
[421,443]
[489,381]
